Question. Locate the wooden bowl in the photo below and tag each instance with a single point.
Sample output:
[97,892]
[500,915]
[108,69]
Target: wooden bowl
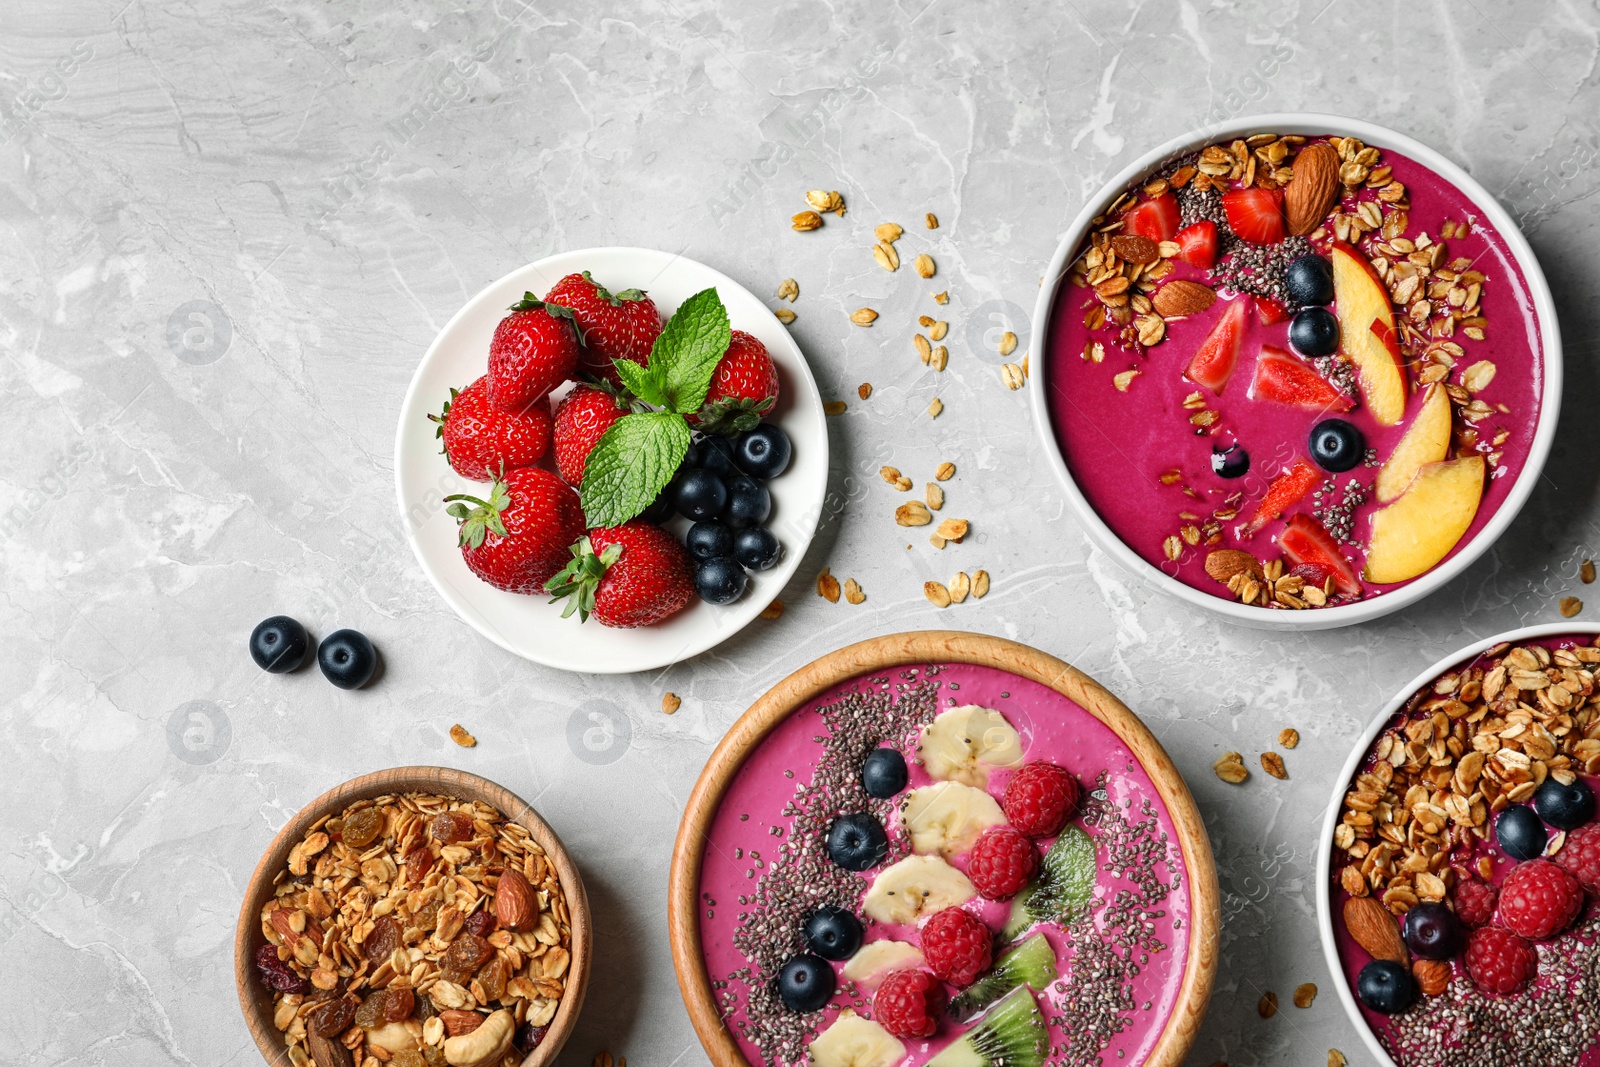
[256,1002]
[940,646]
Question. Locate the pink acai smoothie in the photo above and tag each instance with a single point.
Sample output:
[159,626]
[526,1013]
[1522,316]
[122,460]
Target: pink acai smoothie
[1178,469]
[765,867]
[1553,1018]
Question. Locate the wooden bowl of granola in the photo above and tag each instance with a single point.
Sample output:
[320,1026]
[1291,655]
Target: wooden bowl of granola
[339,949]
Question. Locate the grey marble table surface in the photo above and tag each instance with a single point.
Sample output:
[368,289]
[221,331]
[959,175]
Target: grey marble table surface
[232,228]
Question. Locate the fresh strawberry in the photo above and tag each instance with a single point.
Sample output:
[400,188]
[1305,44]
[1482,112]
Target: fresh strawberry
[1156,218]
[1284,379]
[581,420]
[1213,364]
[613,325]
[1305,541]
[636,574]
[744,387]
[1197,244]
[521,535]
[1292,483]
[480,440]
[1269,312]
[1255,215]
[534,349]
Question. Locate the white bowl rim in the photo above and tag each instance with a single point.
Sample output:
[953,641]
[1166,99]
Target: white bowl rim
[1314,123]
[1330,820]
[412,406]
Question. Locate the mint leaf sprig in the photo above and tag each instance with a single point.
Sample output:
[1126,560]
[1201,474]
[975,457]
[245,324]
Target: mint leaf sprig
[636,458]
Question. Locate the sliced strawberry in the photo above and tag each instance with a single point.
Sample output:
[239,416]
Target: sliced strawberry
[1197,245]
[1306,543]
[1156,218]
[1213,364]
[1284,379]
[1255,215]
[1312,573]
[1294,482]
[1269,311]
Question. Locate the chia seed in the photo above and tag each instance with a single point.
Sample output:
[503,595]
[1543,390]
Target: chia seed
[1335,509]
[1249,268]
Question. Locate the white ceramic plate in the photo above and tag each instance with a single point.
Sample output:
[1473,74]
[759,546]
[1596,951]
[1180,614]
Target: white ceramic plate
[1341,785]
[528,625]
[1107,540]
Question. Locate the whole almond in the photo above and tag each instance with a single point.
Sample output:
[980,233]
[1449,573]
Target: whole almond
[458,1022]
[1433,976]
[1224,563]
[1313,189]
[1179,298]
[514,906]
[1375,930]
[1135,249]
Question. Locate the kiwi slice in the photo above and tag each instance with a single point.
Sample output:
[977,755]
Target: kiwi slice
[1032,963]
[1062,889]
[1012,1034]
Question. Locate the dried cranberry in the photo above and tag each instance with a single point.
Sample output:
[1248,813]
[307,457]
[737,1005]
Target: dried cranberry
[399,1004]
[275,974]
[383,940]
[529,1036]
[480,923]
[334,1017]
[466,954]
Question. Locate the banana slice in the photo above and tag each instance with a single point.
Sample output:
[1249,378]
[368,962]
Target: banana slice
[916,884]
[856,1042]
[873,961]
[963,743]
[947,817]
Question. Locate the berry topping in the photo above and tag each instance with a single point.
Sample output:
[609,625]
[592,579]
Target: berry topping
[1230,462]
[763,452]
[1002,862]
[1499,961]
[1292,483]
[1314,332]
[1309,281]
[757,549]
[1431,931]
[832,933]
[1336,445]
[279,644]
[720,580]
[805,984]
[709,539]
[1566,807]
[857,842]
[1385,987]
[908,1004]
[1520,833]
[1475,901]
[749,502]
[1040,798]
[1197,244]
[1255,214]
[1213,362]
[957,946]
[1538,899]
[883,774]
[1283,379]
[1580,856]
[1305,543]
[701,495]
[1156,218]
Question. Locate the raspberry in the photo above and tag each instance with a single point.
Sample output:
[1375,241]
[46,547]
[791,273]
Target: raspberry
[1580,856]
[1002,862]
[1040,798]
[1499,961]
[957,946]
[1474,902]
[1539,900]
[908,1004]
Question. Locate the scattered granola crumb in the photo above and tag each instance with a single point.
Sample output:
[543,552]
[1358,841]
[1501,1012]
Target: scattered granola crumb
[935,540]
[938,330]
[1570,606]
[826,200]
[459,735]
[864,390]
[924,265]
[828,587]
[934,496]
[789,290]
[852,591]
[1008,343]
[1267,1006]
[805,221]
[960,586]
[784,315]
[888,232]
[953,529]
[946,471]
[1305,994]
[1272,763]
[1289,737]
[980,584]
[936,593]
[935,408]
[1012,376]
[1586,571]
[914,513]
[772,610]
[1231,769]
[1336,1058]
[863,316]
[670,703]
[932,220]
[941,298]
[833,407]
[893,476]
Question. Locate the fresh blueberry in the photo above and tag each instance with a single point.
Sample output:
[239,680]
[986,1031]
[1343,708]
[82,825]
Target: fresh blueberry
[1520,833]
[1385,987]
[709,539]
[695,456]
[662,507]
[700,495]
[1431,931]
[718,455]
[1314,332]
[749,503]
[1309,280]
[1230,462]
[832,933]
[764,451]
[1336,445]
[1566,807]
[720,580]
[805,984]
[279,644]
[756,549]
[347,658]
[883,774]
[857,842]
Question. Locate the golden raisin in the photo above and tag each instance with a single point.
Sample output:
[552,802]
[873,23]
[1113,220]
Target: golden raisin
[362,828]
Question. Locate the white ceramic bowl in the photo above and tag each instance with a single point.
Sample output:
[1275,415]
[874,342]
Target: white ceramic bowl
[1341,785]
[529,625]
[1314,124]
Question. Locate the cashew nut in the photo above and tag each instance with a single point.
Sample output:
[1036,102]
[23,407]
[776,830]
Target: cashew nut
[484,1045]
[393,1037]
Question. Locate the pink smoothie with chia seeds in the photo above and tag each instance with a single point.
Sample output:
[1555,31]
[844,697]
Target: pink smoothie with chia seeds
[1147,470]
[1554,1020]
[802,774]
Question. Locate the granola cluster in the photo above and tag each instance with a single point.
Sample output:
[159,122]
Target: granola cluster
[1479,739]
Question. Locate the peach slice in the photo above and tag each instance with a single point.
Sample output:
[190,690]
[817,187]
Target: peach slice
[1426,440]
[1367,333]
[1418,530]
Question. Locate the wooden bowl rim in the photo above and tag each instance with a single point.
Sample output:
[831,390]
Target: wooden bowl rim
[941,646]
[254,1002]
